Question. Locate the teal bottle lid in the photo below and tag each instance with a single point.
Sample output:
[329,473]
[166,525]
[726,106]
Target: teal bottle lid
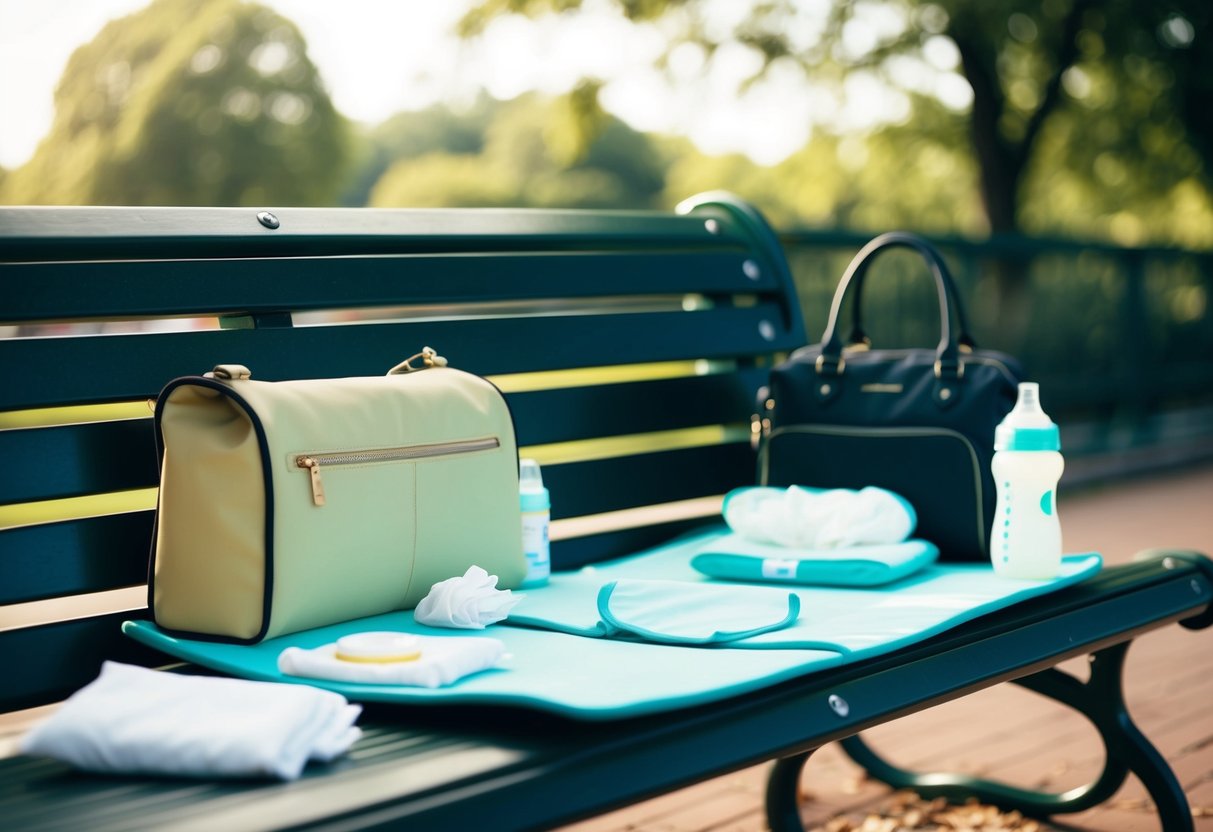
[1033,439]
[537,500]
[533,496]
[1027,427]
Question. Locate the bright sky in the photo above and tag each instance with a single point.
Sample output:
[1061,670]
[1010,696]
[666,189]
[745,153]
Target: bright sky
[382,56]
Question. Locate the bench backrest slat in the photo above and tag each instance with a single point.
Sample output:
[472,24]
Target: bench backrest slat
[74,557]
[100,289]
[59,658]
[127,367]
[630,346]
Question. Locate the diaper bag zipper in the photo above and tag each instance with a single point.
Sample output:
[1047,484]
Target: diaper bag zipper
[313,462]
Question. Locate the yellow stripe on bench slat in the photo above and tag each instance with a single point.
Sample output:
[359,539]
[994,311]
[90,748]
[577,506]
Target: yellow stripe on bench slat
[585,450]
[556,453]
[34,613]
[45,417]
[77,508]
[613,374]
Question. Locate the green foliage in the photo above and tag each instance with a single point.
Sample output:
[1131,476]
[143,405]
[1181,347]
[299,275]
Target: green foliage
[189,102]
[1086,118]
[529,152]
[409,135]
[914,175]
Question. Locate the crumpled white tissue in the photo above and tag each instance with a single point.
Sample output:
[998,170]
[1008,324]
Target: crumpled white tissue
[444,660]
[808,518]
[468,602]
[132,720]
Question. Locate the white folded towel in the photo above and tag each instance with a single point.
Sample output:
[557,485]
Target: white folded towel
[138,721]
[468,602]
[444,659]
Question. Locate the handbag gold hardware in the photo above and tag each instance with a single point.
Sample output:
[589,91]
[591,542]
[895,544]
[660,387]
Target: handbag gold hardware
[428,357]
[229,372]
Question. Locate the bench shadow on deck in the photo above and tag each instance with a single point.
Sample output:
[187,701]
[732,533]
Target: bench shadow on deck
[1007,732]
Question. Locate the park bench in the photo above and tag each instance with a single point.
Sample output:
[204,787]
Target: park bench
[630,346]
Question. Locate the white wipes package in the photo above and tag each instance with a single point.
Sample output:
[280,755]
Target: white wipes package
[812,518]
[469,602]
[137,721]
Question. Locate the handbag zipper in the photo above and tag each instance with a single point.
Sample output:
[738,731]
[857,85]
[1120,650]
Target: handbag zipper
[834,430]
[313,462]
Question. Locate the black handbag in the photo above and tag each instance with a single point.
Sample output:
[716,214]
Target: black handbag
[918,422]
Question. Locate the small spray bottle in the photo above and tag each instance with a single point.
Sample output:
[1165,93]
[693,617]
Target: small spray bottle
[536,517]
[1025,541]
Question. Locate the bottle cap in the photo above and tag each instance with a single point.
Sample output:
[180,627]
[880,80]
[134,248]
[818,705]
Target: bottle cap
[1027,427]
[534,497]
[529,476]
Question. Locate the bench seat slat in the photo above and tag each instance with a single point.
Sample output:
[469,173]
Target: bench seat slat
[125,367]
[196,288]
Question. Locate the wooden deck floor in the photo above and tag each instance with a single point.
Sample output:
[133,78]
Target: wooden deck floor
[1009,732]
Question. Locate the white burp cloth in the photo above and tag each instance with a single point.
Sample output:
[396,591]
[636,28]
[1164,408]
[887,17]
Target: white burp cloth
[811,518]
[132,720]
[444,660]
[468,602]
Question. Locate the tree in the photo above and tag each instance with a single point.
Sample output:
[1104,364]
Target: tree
[189,102]
[412,134]
[1020,59]
[532,152]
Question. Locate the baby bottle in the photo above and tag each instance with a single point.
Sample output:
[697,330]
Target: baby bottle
[1025,541]
[536,516]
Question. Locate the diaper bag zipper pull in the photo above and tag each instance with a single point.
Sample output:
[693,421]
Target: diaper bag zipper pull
[313,467]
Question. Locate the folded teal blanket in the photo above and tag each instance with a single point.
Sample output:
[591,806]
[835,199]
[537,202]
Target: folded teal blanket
[645,656]
[737,558]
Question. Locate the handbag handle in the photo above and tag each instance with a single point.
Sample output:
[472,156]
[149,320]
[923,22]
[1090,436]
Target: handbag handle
[947,353]
[859,337]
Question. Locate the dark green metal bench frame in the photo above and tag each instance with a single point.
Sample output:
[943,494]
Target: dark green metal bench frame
[709,285]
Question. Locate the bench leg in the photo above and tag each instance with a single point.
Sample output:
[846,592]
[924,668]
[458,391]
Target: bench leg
[783,793]
[1101,700]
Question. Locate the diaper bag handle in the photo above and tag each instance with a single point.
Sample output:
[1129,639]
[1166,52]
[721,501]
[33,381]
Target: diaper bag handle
[947,358]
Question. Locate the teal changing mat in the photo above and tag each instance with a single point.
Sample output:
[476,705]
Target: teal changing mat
[614,673]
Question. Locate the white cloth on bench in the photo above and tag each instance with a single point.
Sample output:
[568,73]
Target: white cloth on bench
[444,660]
[132,720]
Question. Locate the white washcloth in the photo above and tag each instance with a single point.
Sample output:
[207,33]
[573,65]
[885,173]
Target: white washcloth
[444,660]
[468,602]
[139,721]
[808,518]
